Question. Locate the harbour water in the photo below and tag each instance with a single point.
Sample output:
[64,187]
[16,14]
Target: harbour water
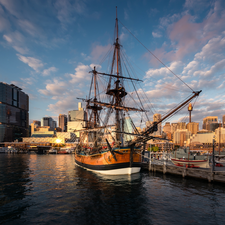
[51,189]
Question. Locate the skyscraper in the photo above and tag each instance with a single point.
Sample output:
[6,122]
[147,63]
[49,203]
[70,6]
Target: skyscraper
[63,122]
[210,123]
[34,125]
[181,125]
[193,127]
[128,129]
[76,120]
[48,121]
[156,118]
[14,113]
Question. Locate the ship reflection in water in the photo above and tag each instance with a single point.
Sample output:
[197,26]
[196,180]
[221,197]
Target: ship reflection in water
[51,189]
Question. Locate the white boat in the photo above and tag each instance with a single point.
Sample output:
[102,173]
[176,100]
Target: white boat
[220,161]
[53,151]
[3,149]
[191,163]
[183,157]
[11,150]
[65,151]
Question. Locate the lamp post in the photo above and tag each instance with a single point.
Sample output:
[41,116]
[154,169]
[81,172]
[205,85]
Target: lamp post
[213,160]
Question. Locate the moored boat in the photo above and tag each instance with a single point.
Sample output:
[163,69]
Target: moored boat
[183,157]
[52,151]
[115,149]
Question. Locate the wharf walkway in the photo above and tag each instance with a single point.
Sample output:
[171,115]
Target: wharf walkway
[166,167]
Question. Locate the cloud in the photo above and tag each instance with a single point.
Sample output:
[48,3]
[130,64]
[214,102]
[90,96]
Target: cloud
[187,35]
[56,88]
[82,75]
[163,71]
[87,58]
[65,11]
[126,16]
[29,27]
[4,23]
[16,40]
[99,51]
[35,64]
[63,106]
[48,71]
[156,35]
[217,68]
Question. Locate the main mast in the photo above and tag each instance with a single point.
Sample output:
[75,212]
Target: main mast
[118,99]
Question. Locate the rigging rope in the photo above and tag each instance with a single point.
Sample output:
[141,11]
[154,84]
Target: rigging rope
[156,57]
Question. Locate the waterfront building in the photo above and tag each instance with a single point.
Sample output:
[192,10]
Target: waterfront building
[181,136]
[128,129]
[220,137]
[76,120]
[48,121]
[45,136]
[63,122]
[45,131]
[201,140]
[54,124]
[193,127]
[14,113]
[34,125]
[148,123]
[181,125]
[173,127]
[167,130]
[156,118]
[210,123]
[223,123]
[167,127]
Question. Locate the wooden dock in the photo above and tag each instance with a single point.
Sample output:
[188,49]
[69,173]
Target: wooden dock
[200,173]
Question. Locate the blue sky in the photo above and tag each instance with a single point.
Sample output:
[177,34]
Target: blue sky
[47,47]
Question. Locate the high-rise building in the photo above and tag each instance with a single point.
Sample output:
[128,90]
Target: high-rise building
[48,122]
[167,127]
[14,113]
[174,127]
[210,123]
[181,136]
[76,120]
[156,118]
[223,125]
[181,125]
[167,130]
[128,129]
[63,122]
[35,125]
[193,127]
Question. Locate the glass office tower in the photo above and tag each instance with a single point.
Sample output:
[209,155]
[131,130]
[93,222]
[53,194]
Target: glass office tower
[14,113]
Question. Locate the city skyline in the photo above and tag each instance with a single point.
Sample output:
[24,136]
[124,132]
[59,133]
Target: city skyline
[53,46]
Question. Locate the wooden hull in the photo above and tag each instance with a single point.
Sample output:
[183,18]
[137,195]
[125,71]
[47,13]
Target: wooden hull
[191,163]
[105,163]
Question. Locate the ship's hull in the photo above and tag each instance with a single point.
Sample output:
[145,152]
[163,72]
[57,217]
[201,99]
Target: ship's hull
[105,163]
[191,163]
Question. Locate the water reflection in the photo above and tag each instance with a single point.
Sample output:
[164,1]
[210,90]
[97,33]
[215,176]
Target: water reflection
[111,199]
[15,183]
[51,189]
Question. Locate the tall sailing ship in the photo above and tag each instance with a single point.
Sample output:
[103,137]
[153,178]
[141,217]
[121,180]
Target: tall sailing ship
[115,148]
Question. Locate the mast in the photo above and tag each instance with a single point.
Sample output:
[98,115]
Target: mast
[118,99]
[95,99]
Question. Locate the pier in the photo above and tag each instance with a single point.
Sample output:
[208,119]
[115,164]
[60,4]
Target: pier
[218,175]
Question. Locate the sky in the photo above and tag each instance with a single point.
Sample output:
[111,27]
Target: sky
[48,47]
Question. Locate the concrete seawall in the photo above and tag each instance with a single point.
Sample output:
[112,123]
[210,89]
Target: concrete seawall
[200,173]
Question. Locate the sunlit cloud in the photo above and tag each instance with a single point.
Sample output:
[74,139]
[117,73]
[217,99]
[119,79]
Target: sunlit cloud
[48,71]
[34,63]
